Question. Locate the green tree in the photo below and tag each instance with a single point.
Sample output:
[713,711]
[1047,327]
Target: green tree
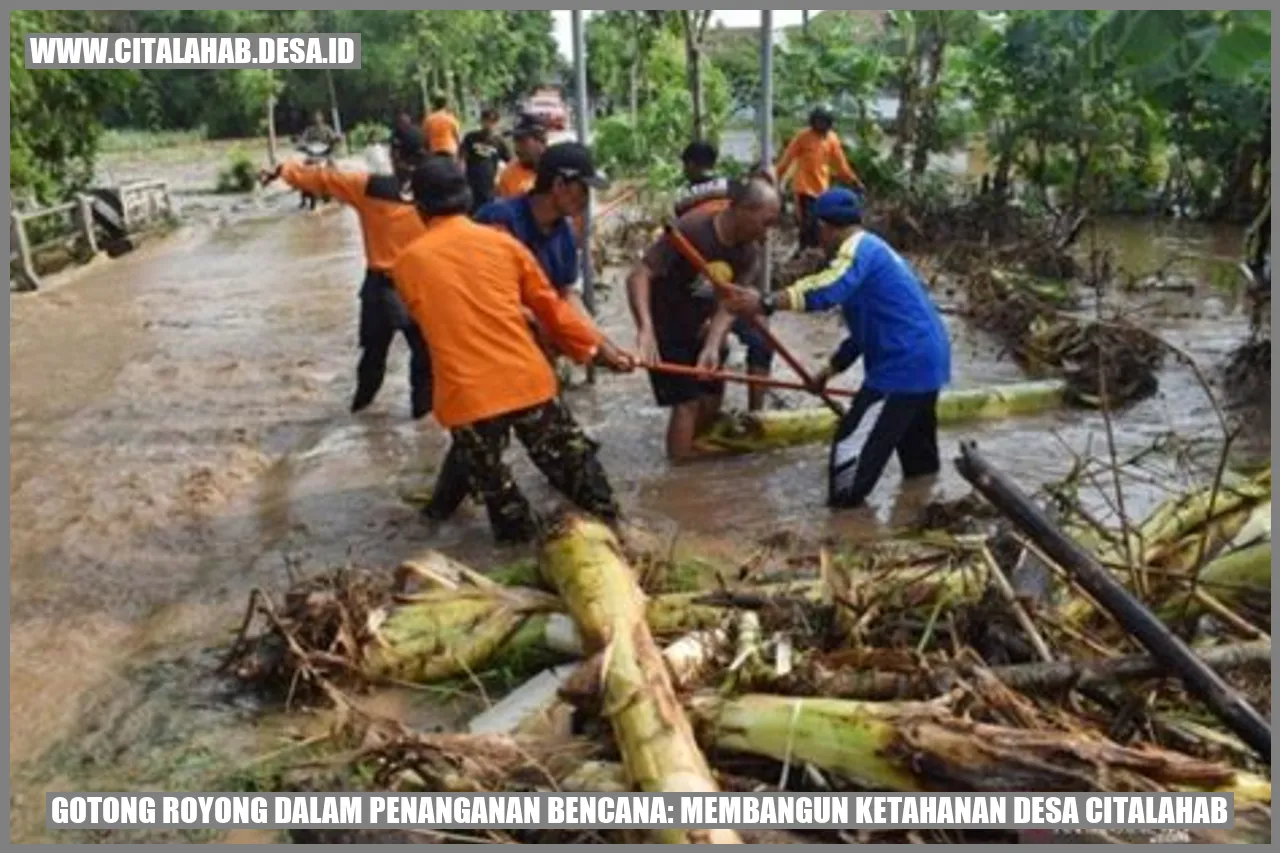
[54,125]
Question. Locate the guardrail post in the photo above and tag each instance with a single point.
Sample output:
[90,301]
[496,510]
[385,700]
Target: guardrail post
[25,264]
[86,222]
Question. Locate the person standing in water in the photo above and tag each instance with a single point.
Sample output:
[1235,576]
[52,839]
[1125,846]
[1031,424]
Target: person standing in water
[388,223]
[812,152]
[483,153]
[893,327]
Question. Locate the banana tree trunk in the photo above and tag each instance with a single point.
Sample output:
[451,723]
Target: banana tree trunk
[923,746]
[762,431]
[583,560]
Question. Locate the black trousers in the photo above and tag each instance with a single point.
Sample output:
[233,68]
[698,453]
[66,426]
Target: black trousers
[557,446]
[875,427]
[808,222]
[382,316]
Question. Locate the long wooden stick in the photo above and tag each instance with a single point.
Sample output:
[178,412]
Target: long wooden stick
[1132,615]
[745,378]
[699,263]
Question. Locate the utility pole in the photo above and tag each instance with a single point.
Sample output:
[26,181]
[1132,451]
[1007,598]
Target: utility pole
[766,116]
[582,118]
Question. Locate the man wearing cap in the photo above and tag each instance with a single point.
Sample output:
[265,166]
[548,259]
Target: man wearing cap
[542,218]
[467,286]
[812,152]
[388,223]
[529,138]
[483,152]
[894,326]
[676,312]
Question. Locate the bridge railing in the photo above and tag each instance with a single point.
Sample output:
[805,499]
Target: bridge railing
[80,227]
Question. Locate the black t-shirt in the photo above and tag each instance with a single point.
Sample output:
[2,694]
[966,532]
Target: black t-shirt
[483,153]
[680,300]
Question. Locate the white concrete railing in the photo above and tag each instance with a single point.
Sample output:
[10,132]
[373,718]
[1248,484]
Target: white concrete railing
[145,204]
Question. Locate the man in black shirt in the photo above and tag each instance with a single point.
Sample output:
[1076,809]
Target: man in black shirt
[484,151]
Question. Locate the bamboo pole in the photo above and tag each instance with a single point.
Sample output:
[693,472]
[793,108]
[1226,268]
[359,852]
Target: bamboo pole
[583,560]
[1201,681]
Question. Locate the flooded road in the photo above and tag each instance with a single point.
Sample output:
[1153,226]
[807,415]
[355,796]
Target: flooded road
[180,434]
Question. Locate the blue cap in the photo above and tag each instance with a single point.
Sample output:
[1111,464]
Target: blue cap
[839,206]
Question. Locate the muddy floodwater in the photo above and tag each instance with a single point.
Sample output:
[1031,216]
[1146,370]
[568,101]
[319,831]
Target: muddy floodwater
[180,435]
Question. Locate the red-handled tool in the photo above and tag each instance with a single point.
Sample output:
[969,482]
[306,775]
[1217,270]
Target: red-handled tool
[691,254]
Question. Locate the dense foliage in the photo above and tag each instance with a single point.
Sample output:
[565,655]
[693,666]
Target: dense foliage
[1152,111]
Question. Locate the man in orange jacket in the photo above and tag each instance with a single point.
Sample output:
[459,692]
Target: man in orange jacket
[467,285]
[441,129]
[529,138]
[388,223]
[812,152]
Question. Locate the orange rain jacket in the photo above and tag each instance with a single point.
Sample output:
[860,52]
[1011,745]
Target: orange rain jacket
[812,154]
[466,286]
[388,222]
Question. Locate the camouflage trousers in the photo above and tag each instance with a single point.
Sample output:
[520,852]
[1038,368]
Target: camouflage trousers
[556,445]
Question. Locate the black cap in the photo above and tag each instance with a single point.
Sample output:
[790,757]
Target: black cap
[440,186]
[571,161]
[528,125]
[822,112]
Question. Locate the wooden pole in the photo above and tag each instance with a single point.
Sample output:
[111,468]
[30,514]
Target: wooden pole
[766,117]
[1132,615]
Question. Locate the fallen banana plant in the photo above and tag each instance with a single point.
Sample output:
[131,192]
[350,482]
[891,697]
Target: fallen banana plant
[924,746]
[583,560]
[761,431]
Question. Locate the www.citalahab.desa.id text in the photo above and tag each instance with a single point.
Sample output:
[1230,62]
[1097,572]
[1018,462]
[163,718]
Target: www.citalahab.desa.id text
[273,50]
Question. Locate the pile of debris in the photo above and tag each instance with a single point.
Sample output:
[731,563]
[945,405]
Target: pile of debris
[1105,361]
[918,664]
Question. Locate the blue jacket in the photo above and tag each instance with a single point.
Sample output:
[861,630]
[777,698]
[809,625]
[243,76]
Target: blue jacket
[892,322]
[556,252]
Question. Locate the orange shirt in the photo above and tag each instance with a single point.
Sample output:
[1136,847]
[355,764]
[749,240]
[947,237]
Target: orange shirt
[812,154]
[387,222]
[515,179]
[442,132]
[466,286]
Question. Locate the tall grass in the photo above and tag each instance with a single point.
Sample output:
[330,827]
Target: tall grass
[126,141]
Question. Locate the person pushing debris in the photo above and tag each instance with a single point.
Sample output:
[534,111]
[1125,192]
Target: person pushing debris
[388,223]
[467,286]
[811,153]
[894,326]
[708,191]
[675,310]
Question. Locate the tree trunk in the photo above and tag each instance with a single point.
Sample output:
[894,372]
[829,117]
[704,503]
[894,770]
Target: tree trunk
[635,88]
[693,58]
[904,126]
[271,117]
[426,90]
[333,107]
[1084,154]
[926,130]
[1004,171]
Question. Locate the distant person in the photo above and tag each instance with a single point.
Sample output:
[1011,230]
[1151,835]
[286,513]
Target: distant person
[812,152]
[319,132]
[441,129]
[703,188]
[707,191]
[677,313]
[484,152]
[404,133]
[897,331]
[529,137]
[469,287]
[319,136]
[388,223]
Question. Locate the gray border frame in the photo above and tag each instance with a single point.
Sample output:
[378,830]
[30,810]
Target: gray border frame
[403,4]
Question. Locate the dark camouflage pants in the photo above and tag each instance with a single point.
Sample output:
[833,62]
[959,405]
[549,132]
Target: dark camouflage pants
[556,445]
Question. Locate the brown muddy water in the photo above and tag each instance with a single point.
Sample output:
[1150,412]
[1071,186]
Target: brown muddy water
[180,434]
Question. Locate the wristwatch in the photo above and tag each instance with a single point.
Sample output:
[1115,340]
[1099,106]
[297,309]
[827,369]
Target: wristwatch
[768,304]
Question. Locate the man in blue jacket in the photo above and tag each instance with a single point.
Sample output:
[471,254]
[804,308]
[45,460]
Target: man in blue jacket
[894,326]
